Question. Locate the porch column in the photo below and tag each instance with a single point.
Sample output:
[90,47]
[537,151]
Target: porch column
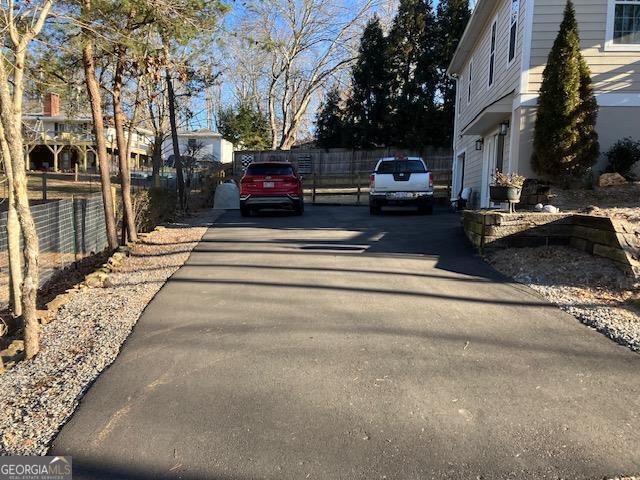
[84,158]
[27,161]
[55,150]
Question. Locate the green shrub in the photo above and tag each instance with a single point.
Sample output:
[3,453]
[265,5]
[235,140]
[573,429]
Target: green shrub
[565,144]
[623,156]
[153,207]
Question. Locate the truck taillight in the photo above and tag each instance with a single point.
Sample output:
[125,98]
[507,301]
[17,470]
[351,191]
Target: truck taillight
[430,180]
[372,181]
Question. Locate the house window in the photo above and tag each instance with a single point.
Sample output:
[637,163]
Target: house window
[626,22]
[492,53]
[469,82]
[513,28]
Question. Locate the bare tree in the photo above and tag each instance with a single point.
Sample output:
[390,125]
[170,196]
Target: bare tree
[303,44]
[13,234]
[21,24]
[95,100]
[156,101]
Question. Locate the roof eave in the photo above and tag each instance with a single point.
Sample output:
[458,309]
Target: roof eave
[471,32]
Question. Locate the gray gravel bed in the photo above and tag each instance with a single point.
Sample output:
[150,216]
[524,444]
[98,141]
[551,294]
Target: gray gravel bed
[591,289]
[83,339]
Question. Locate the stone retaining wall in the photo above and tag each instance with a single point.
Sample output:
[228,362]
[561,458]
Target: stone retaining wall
[600,236]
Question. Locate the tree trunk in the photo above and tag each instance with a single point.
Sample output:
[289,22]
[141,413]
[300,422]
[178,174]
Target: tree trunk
[156,159]
[95,99]
[128,221]
[31,249]
[291,132]
[272,121]
[174,139]
[15,262]
[13,235]
[11,119]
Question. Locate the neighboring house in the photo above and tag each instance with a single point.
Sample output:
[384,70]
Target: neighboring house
[203,145]
[57,142]
[498,67]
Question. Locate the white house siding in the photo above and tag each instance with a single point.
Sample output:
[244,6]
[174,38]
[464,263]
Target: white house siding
[614,123]
[506,81]
[615,75]
[212,145]
[611,71]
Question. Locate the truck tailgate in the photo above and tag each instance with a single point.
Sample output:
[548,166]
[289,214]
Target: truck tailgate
[402,182]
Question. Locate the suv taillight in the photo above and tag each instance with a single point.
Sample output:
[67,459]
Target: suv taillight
[430,180]
[372,181]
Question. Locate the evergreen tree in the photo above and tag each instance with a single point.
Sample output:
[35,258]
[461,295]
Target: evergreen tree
[414,76]
[452,17]
[367,109]
[331,125]
[565,141]
[245,126]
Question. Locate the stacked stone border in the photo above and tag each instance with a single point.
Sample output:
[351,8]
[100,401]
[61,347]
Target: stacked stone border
[599,236]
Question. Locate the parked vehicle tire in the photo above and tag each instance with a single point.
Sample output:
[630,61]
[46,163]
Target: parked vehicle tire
[374,209]
[245,211]
[299,210]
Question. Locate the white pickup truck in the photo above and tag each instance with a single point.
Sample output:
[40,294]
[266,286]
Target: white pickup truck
[401,181]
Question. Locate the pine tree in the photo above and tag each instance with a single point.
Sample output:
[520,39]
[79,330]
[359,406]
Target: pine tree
[368,106]
[452,17]
[565,141]
[330,121]
[245,127]
[414,77]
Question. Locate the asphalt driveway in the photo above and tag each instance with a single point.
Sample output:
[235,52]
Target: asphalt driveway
[344,346]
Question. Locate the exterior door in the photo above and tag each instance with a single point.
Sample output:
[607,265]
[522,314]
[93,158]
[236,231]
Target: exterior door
[458,176]
[490,163]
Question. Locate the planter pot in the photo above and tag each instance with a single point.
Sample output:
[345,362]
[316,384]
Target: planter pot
[504,194]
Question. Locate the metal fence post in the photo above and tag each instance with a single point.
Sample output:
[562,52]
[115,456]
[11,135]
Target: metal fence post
[44,185]
[313,194]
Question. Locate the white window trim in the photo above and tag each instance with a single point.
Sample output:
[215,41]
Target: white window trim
[459,94]
[469,89]
[609,46]
[517,25]
[492,81]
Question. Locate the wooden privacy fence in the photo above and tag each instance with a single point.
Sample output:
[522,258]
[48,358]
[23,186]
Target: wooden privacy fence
[336,172]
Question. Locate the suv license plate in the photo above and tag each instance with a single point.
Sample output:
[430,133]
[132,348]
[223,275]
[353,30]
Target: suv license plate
[268,184]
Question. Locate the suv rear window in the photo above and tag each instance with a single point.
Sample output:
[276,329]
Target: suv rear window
[269,169]
[401,166]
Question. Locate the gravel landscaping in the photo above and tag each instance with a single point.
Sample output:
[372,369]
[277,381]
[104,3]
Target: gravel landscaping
[84,337]
[591,289]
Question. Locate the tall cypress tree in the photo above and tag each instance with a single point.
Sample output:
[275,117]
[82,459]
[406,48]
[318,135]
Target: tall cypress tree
[330,121]
[414,76]
[368,106]
[452,17]
[565,141]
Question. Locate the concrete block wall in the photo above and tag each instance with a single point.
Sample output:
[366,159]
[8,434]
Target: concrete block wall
[600,236]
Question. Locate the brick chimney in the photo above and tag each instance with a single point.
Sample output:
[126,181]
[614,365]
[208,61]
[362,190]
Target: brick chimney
[51,105]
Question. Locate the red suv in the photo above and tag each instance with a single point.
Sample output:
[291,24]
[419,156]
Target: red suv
[271,185]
